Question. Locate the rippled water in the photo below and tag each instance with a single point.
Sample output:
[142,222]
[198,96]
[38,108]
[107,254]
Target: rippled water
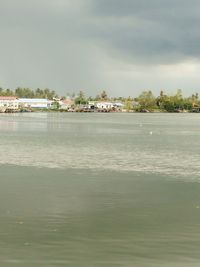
[99,190]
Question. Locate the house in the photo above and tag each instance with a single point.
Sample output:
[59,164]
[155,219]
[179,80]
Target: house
[91,105]
[118,105]
[8,102]
[104,105]
[39,103]
[63,104]
[66,103]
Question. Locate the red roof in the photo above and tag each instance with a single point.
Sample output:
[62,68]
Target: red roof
[67,101]
[8,98]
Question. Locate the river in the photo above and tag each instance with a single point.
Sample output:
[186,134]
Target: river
[87,190]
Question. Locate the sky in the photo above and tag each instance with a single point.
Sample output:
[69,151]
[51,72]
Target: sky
[123,47]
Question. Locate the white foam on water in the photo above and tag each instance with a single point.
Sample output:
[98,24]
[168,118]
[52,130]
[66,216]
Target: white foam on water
[64,157]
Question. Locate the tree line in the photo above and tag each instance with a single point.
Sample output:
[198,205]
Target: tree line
[29,93]
[169,103]
[145,101]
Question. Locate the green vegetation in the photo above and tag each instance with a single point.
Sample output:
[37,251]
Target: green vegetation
[29,93]
[80,99]
[145,102]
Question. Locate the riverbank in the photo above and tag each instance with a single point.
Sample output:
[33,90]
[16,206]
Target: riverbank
[95,111]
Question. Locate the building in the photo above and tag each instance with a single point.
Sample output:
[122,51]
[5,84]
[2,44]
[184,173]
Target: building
[66,103]
[63,104]
[104,105]
[40,103]
[118,105]
[8,102]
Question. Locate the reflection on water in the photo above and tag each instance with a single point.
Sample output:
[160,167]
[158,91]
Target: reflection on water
[19,122]
[99,190]
[10,126]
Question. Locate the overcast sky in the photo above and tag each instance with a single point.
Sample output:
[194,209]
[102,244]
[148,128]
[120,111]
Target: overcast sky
[122,46]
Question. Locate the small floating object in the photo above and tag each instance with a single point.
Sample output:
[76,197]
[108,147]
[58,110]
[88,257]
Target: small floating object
[20,222]
[150,133]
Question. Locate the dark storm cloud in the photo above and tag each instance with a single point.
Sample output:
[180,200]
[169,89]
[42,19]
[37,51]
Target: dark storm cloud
[42,44]
[151,31]
[70,45]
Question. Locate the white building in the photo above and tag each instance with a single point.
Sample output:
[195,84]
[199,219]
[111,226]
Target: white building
[118,105]
[33,103]
[64,104]
[104,105]
[8,102]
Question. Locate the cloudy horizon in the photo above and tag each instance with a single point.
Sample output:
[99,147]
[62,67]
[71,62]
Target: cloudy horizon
[122,47]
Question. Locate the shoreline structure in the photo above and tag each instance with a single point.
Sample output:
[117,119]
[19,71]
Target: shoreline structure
[27,100]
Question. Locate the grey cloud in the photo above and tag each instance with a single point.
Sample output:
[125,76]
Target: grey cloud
[143,8]
[41,45]
[158,32]
[83,44]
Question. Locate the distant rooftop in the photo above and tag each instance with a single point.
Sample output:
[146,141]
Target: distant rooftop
[33,100]
[8,98]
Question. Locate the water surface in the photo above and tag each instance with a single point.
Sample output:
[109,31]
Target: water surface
[99,190]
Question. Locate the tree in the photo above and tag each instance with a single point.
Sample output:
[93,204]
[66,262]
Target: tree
[55,105]
[178,100]
[104,95]
[128,105]
[80,100]
[8,92]
[147,100]
[173,103]
[161,100]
